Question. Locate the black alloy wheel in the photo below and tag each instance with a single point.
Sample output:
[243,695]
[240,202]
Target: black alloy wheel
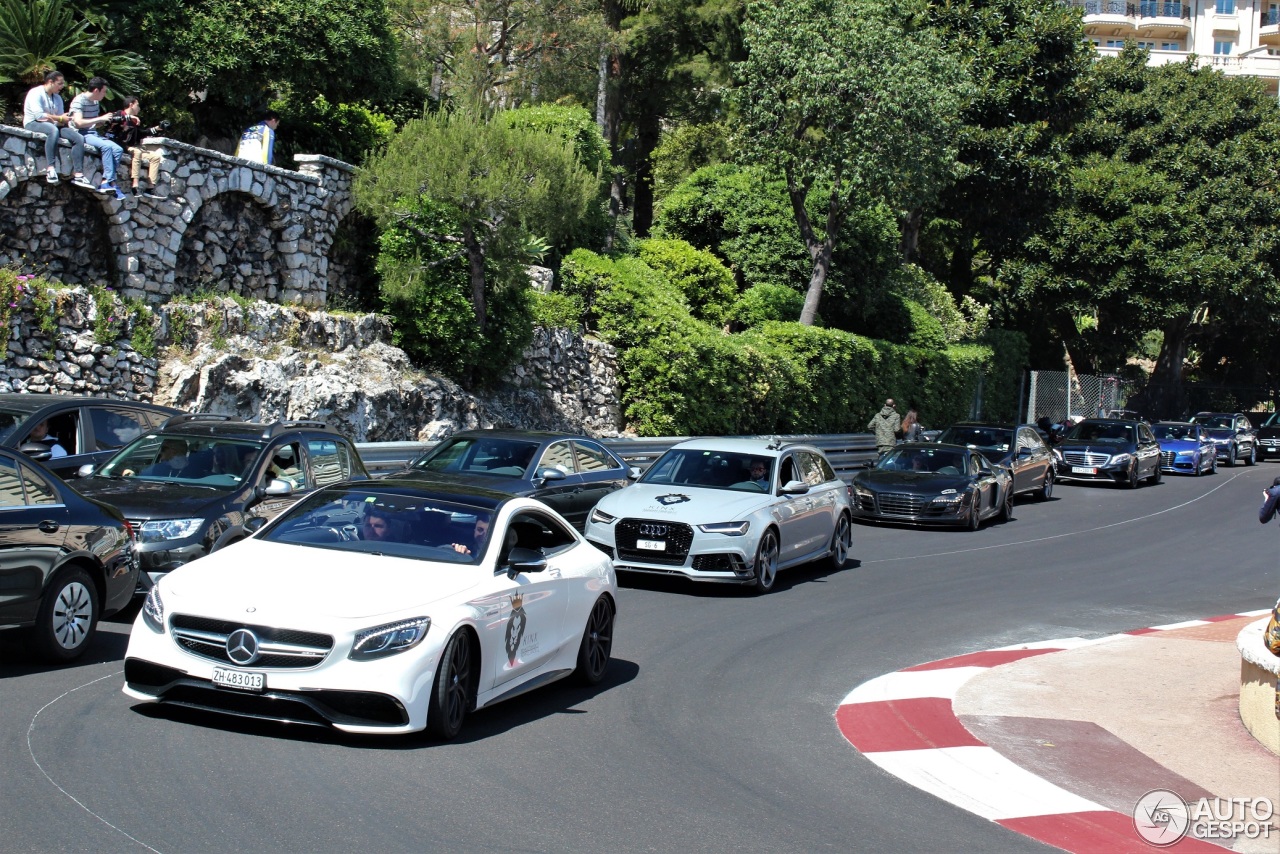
[1231,457]
[1046,488]
[841,542]
[1156,474]
[451,694]
[597,643]
[974,522]
[1132,482]
[1006,508]
[766,565]
[68,616]
[1253,456]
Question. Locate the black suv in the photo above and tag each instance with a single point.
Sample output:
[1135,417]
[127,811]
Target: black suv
[1269,436]
[1233,436]
[77,429]
[191,484]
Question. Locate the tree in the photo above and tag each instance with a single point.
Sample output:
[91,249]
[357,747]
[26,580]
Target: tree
[1029,63]
[492,183]
[831,96]
[1171,222]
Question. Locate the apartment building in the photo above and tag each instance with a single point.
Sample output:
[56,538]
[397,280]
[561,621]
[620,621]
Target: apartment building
[1238,37]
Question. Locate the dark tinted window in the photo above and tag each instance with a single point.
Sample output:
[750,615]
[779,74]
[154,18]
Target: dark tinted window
[480,455]
[39,490]
[10,485]
[115,427]
[593,458]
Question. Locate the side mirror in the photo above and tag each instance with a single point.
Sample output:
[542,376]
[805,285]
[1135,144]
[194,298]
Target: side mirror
[1024,452]
[634,473]
[37,451]
[278,487]
[525,560]
[86,470]
[795,487]
[548,473]
[254,524]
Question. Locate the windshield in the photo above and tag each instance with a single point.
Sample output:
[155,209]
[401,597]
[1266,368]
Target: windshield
[1173,432]
[1113,434]
[479,455]
[926,460]
[1219,422]
[8,421]
[197,460]
[1273,421]
[355,519]
[990,438]
[711,470]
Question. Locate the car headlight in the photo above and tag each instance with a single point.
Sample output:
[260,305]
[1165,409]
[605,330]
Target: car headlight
[1121,459]
[598,515]
[861,490]
[732,529]
[1187,454]
[1057,455]
[153,610]
[161,530]
[949,496]
[390,639]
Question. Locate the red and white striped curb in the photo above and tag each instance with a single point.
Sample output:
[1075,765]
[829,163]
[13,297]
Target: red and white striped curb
[904,723]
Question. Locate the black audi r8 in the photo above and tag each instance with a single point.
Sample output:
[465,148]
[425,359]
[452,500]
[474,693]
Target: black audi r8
[926,483]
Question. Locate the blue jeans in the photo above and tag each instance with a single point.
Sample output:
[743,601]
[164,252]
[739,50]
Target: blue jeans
[51,134]
[111,154]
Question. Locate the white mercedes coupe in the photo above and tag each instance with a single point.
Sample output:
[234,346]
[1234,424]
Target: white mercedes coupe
[386,606]
[727,510]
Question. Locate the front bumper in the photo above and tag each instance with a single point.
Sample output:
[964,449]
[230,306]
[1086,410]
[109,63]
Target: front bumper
[715,558]
[1112,473]
[158,559]
[383,696]
[911,509]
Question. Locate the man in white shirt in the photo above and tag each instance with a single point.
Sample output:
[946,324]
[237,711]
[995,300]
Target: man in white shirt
[43,112]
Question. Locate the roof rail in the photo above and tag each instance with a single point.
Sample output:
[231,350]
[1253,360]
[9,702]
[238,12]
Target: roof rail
[280,426]
[186,417]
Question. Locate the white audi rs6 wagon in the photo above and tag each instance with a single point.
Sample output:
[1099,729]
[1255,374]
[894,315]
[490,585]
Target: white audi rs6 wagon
[385,606]
[727,510]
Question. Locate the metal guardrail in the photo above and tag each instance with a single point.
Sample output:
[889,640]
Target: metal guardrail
[847,452]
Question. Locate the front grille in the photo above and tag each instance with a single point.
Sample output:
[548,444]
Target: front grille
[1166,458]
[677,535]
[903,504]
[1085,458]
[280,648]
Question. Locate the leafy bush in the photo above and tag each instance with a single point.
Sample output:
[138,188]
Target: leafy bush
[687,148]
[707,285]
[345,131]
[556,310]
[761,303]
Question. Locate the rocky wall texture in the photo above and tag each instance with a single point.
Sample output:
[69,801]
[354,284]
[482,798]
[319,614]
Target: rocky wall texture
[263,361]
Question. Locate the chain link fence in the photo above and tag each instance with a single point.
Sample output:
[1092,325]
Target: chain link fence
[1063,395]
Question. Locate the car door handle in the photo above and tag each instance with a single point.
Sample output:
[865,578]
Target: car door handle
[49,526]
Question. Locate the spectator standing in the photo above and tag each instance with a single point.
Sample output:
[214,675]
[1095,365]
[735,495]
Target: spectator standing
[125,128]
[1270,500]
[912,429]
[885,424]
[43,112]
[86,114]
[258,143]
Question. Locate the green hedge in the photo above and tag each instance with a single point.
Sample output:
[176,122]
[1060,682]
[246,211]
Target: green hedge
[682,376]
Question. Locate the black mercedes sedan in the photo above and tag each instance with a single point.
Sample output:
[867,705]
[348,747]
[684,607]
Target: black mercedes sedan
[570,473]
[65,560]
[66,431]
[924,483]
[1016,446]
[1110,450]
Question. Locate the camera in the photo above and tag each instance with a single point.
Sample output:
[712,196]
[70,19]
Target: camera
[115,119]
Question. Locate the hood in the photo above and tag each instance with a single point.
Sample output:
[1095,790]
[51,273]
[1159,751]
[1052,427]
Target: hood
[1180,444]
[292,585]
[509,485]
[1271,432]
[151,499]
[690,504]
[1109,448]
[1220,433]
[914,482]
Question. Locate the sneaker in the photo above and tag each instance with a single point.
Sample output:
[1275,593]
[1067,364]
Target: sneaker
[152,194]
[51,175]
[107,187]
[81,181]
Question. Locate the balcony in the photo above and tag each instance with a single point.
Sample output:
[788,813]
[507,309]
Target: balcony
[1113,18]
[1269,27]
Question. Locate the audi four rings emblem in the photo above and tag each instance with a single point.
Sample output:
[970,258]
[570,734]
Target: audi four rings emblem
[653,530]
[242,647]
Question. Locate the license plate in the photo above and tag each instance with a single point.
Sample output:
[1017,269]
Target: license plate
[242,680]
[1083,470]
[652,545]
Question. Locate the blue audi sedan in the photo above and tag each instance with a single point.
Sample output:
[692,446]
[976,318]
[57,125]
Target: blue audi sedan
[1185,448]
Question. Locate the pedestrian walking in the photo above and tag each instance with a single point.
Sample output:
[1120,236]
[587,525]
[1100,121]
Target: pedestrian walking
[912,429]
[885,424]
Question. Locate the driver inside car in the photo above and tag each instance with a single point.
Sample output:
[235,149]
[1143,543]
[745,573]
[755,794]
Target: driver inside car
[376,525]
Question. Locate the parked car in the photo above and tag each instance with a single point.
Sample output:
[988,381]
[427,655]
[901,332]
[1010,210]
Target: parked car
[1116,451]
[1268,436]
[1185,448]
[88,429]
[194,481]
[570,473]
[727,510]
[1019,448]
[923,483]
[1232,434]
[311,621]
[65,561]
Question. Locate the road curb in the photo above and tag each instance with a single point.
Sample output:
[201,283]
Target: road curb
[904,722]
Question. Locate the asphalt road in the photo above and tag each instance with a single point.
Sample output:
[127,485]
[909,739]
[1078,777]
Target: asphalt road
[714,730]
